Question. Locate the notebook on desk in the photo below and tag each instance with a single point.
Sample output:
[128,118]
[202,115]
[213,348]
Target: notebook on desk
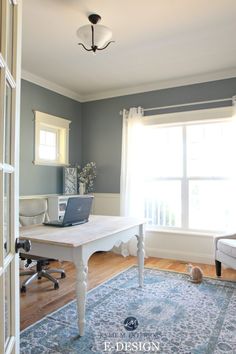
[77,212]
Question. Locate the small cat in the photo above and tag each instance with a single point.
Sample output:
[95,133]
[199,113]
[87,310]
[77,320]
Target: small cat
[195,272]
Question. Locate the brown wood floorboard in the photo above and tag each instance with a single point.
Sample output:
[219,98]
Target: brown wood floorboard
[41,299]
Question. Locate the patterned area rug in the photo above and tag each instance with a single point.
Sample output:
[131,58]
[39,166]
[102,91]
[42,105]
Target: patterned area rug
[169,315]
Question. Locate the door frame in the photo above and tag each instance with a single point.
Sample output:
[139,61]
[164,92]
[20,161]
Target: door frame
[11,77]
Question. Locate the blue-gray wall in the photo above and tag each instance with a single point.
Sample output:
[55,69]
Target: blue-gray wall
[45,179]
[102,124]
[96,129]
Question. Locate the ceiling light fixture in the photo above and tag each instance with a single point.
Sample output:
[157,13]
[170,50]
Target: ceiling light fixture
[96,37]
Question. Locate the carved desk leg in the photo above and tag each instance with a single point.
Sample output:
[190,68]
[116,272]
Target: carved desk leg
[81,292]
[140,239]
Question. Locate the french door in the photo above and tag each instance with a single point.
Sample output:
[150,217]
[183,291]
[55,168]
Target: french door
[10,50]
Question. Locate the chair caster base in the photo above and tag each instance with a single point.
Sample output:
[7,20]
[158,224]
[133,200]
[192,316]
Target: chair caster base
[23,289]
[56,286]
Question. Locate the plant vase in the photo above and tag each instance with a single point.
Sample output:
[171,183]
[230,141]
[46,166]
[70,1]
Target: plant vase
[82,188]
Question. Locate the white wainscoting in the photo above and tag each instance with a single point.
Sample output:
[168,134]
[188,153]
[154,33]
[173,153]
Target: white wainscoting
[191,248]
[163,244]
[185,247]
[106,204]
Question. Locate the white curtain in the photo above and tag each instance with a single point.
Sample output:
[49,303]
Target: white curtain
[131,180]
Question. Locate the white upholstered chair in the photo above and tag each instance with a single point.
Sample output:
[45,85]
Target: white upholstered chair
[225,252]
[34,211]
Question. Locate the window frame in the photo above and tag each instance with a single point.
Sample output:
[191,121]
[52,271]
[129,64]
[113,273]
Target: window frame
[184,119]
[60,126]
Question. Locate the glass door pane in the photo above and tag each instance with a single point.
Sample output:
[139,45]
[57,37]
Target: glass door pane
[8,113]
[7,210]
[10,24]
[7,322]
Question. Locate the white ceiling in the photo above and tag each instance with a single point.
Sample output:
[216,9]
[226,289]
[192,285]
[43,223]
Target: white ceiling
[158,43]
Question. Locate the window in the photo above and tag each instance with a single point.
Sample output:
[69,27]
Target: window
[51,140]
[190,172]
[48,144]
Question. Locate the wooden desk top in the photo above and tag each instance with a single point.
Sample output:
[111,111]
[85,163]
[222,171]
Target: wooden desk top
[98,227]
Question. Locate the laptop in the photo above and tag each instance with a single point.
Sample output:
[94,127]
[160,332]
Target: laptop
[77,212]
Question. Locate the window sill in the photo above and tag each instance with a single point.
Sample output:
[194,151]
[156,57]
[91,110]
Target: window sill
[183,232]
[47,163]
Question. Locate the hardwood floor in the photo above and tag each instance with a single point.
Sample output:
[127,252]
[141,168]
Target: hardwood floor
[41,299]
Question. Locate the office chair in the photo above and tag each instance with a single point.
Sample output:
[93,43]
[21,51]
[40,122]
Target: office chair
[34,211]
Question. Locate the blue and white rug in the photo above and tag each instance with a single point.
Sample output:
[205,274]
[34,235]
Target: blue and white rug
[169,315]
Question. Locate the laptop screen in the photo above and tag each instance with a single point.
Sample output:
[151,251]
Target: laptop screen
[78,209]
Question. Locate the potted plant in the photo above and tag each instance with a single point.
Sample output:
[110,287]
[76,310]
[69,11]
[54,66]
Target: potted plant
[86,177]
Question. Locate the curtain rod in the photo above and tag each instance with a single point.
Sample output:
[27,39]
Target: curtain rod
[188,104]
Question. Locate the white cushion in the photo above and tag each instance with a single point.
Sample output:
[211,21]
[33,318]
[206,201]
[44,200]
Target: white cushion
[227,246]
[32,220]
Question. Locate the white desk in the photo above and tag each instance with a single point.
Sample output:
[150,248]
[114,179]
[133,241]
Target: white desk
[78,243]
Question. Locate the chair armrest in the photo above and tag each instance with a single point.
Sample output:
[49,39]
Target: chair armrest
[31,256]
[217,238]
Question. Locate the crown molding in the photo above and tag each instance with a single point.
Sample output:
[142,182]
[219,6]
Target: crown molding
[164,84]
[26,75]
[184,81]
